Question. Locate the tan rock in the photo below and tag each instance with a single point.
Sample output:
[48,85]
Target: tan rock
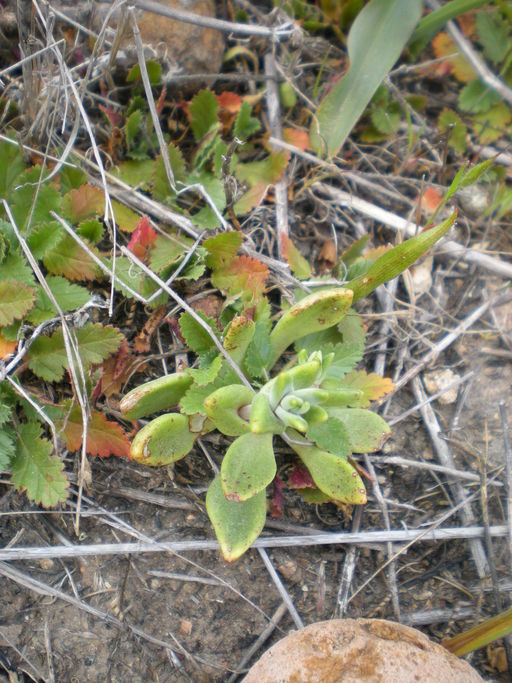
[359,650]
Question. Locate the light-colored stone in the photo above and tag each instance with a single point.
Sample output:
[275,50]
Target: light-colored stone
[359,651]
[437,380]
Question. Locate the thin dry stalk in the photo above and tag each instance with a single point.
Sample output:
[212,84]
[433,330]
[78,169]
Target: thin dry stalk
[281,588]
[349,567]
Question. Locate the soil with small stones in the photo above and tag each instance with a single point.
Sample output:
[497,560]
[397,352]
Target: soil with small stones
[189,615]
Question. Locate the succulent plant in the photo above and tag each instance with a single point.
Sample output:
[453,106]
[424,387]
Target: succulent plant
[317,402]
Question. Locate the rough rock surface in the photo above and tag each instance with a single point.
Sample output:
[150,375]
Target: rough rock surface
[359,650]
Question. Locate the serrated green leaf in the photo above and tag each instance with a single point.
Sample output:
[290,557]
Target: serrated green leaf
[91,230]
[44,237]
[136,173]
[260,351]
[35,470]
[494,34]
[450,123]
[15,267]
[132,128]
[47,355]
[330,436]
[161,189]
[236,525]
[193,400]
[476,98]
[205,217]
[222,249]
[366,431]
[248,467]
[69,259]
[491,125]
[245,125]
[299,265]
[71,178]
[209,367]
[333,475]
[5,411]
[375,41]
[153,68]
[69,297]
[238,337]
[196,337]
[203,111]
[11,167]
[16,299]
[48,199]
[7,448]
[166,251]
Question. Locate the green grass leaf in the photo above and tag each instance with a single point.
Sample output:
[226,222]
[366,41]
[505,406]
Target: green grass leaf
[236,525]
[35,470]
[16,299]
[376,39]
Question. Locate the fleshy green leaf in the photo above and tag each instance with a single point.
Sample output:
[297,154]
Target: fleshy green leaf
[16,299]
[163,440]
[193,400]
[223,406]
[376,39]
[237,525]
[35,470]
[154,396]
[366,431]
[330,436]
[396,260]
[315,312]
[249,466]
[333,475]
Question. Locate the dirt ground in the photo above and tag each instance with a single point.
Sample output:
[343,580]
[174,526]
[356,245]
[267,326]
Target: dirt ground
[189,615]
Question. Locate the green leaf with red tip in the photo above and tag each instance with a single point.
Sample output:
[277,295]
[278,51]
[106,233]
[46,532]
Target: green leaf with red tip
[244,277]
[236,525]
[222,249]
[315,312]
[249,466]
[371,385]
[333,475]
[299,265]
[163,440]
[396,260]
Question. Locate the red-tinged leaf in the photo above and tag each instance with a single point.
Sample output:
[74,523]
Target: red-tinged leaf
[300,478]
[454,63]
[222,249]
[244,276]
[142,341]
[85,202]
[259,175]
[116,370]
[114,118]
[69,259]
[297,138]
[7,347]
[299,265]
[372,385]
[277,505]
[430,200]
[229,102]
[104,438]
[143,237]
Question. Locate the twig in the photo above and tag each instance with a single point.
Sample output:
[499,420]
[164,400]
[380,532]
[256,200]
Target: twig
[507,452]
[445,457]
[260,640]
[349,567]
[358,538]
[274,120]
[450,247]
[405,462]
[281,588]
